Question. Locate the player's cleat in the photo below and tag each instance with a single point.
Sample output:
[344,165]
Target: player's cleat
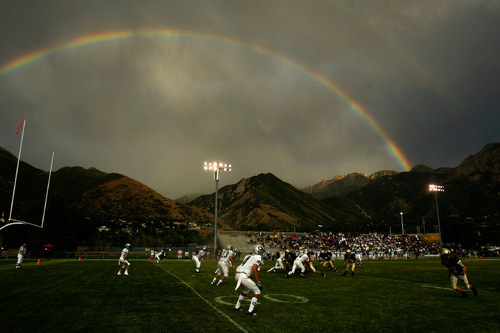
[219,284]
[344,273]
[303,275]
[474,291]
[251,313]
[287,275]
[335,270]
[237,309]
[126,273]
[119,273]
[213,282]
[323,274]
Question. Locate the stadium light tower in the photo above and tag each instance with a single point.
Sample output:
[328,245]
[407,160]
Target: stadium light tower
[436,189]
[216,167]
[402,227]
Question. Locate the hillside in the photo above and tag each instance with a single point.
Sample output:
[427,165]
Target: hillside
[468,208]
[343,183]
[355,202]
[265,202]
[89,193]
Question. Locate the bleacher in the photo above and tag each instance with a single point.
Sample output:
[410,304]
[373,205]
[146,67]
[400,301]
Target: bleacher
[238,240]
[243,242]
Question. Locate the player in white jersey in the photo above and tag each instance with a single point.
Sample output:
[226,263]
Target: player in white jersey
[123,261]
[299,263]
[160,255]
[279,262]
[197,256]
[20,255]
[359,257]
[250,264]
[225,262]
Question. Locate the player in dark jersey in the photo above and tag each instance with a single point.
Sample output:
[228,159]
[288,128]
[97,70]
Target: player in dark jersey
[456,271]
[289,259]
[350,261]
[326,260]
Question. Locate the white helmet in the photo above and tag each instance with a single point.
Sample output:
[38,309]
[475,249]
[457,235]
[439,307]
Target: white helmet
[229,247]
[128,246]
[258,249]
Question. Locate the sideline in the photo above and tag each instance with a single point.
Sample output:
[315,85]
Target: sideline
[205,300]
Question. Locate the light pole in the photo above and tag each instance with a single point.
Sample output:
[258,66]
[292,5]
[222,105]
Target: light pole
[402,227]
[436,189]
[216,167]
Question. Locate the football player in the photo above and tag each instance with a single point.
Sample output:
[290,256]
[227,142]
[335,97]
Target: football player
[350,261]
[225,262]
[250,265]
[279,262]
[456,271]
[289,259]
[299,263]
[123,261]
[326,260]
[160,255]
[20,255]
[310,263]
[198,256]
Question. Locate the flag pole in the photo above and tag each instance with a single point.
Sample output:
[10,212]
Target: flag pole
[47,193]
[23,123]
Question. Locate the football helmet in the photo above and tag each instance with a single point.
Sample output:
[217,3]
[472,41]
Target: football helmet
[446,252]
[128,246]
[230,247]
[266,255]
[348,250]
[258,249]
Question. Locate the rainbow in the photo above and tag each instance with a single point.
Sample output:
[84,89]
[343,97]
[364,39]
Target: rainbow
[32,57]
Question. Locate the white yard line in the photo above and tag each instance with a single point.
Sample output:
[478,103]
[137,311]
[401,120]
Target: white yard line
[241,328]
[433,287]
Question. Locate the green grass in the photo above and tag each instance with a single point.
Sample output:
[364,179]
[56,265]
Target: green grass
[384,296]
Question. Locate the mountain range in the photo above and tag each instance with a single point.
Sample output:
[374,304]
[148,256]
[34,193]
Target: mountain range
[386,201]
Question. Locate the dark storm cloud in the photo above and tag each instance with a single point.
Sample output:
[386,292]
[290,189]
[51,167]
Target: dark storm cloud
[155,107]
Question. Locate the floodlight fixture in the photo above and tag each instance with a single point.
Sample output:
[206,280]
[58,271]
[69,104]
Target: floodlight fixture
[437,188]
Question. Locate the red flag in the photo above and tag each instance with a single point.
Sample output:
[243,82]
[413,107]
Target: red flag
[21,124]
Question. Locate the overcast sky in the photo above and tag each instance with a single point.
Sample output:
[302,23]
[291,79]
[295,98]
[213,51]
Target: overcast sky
[306,90]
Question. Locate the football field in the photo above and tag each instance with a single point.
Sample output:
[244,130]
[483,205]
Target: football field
[383,296]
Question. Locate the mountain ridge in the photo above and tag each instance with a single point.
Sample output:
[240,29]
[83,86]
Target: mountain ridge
[356,202]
